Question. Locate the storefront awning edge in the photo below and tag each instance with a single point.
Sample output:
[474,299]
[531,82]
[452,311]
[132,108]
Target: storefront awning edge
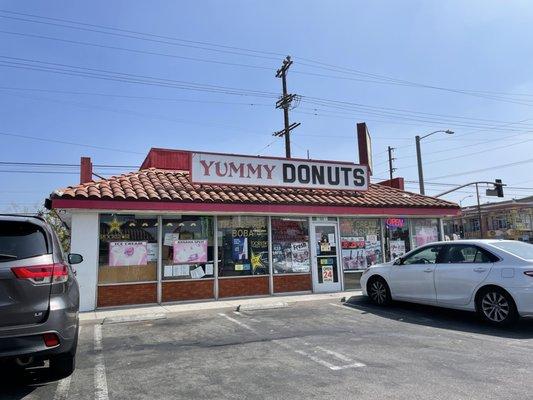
[249,208]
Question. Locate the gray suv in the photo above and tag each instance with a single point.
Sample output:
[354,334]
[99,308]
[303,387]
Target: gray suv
[39,297]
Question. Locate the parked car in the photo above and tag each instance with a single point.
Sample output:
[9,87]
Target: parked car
[492,277]
[39,297]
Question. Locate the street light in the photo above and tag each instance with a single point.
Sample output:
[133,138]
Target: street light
[463,199]
[419,157]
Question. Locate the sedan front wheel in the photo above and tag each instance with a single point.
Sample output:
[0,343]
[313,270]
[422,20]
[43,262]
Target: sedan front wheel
[496,306]
[378,291]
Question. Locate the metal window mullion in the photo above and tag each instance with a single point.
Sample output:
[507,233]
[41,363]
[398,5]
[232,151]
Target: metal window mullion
[159,258]
[270,266]
[215,255]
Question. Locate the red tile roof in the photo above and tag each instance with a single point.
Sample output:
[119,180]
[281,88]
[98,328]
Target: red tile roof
[157,185]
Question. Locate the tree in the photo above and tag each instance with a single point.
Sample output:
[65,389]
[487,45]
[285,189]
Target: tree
[60,228]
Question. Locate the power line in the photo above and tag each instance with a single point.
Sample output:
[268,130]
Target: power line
[494,167]
[127,77]
[185,100]
[137,51]
[3,133]
[375,78]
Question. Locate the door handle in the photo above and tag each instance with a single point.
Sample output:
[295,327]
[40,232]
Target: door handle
[479,269]
[428,270]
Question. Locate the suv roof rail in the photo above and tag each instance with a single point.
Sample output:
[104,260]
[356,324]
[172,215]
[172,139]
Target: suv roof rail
[32,215]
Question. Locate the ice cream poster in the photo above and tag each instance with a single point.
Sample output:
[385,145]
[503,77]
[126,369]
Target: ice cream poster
[190,251]
[123,254]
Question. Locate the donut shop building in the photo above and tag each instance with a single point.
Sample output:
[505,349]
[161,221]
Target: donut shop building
[195,226]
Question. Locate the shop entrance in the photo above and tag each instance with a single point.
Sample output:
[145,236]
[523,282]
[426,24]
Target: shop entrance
[325,255]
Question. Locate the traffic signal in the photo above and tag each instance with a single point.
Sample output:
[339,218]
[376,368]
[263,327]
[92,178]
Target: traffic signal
[498,185]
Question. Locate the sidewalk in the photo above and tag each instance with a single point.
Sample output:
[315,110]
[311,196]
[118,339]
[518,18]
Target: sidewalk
[161,311]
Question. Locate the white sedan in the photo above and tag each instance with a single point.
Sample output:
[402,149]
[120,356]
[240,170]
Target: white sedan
[492,277]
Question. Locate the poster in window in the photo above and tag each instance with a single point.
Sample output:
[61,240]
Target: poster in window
[354,259]
[425,234]
[397,248]
[300,257]
[352,242]
[153,251]
[190,251]
[123,254]
[240,248]
[327,273]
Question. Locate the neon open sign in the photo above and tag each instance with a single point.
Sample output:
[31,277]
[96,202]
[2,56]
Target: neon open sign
[395,222]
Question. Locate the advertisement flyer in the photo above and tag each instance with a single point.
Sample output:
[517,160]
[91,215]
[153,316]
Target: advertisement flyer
[153,250]
[190,251]
[397,248]
[123,254]
[425,234]
[327,273]
[240,248]
[300,256]
[352,242]
[354,259]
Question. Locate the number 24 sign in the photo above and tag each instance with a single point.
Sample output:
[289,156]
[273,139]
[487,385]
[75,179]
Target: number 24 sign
[327,273]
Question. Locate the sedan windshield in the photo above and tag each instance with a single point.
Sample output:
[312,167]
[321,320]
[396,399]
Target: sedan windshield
[519,249]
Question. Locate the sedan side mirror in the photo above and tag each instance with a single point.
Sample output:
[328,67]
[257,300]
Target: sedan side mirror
[398,261]
[74,258]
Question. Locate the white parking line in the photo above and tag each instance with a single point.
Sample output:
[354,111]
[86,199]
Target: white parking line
[238,322]
[100,381]
[62,389]
[63,385]
[312,357]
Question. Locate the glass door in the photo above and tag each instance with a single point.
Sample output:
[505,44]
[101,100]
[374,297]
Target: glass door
[325,257]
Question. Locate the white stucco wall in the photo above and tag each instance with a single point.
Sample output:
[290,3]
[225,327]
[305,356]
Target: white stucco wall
[84,240]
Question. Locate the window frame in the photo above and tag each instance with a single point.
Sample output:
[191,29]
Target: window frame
[420,250]
[447,248]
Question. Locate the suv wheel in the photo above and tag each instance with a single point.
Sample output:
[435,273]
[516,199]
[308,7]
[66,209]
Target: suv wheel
[496,306]
[378,291]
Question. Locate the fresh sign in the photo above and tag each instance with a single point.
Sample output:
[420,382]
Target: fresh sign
[263,171]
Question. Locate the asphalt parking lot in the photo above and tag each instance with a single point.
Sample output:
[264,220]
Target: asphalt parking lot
[319,349]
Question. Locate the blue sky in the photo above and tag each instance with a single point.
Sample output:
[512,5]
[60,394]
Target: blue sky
[475,55]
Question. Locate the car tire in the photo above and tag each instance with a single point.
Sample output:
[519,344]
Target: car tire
[62,365]
[496,306]
[378,291]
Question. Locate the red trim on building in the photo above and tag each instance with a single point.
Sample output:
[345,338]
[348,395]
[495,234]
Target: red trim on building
[249,208]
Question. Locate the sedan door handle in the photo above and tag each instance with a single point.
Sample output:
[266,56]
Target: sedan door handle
[428,270]
[480,269]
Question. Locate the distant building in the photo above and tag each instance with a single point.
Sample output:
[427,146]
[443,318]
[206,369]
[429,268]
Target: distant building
[511,219]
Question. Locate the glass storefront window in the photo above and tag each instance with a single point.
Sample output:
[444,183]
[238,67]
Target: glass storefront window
[424,230]
[361,247]
[243,246]
[188,249]
[290,245]
[128,248]
[397,241]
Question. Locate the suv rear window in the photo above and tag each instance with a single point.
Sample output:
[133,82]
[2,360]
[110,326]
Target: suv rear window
[21,240]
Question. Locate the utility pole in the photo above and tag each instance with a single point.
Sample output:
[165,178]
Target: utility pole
[479,213]
[391,169]
[285,103]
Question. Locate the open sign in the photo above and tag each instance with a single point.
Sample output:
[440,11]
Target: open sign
[395,222]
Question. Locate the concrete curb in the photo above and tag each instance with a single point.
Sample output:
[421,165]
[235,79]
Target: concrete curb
[248,304]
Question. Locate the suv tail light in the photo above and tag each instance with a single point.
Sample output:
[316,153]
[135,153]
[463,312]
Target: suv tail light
[42,274]
[529,273]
